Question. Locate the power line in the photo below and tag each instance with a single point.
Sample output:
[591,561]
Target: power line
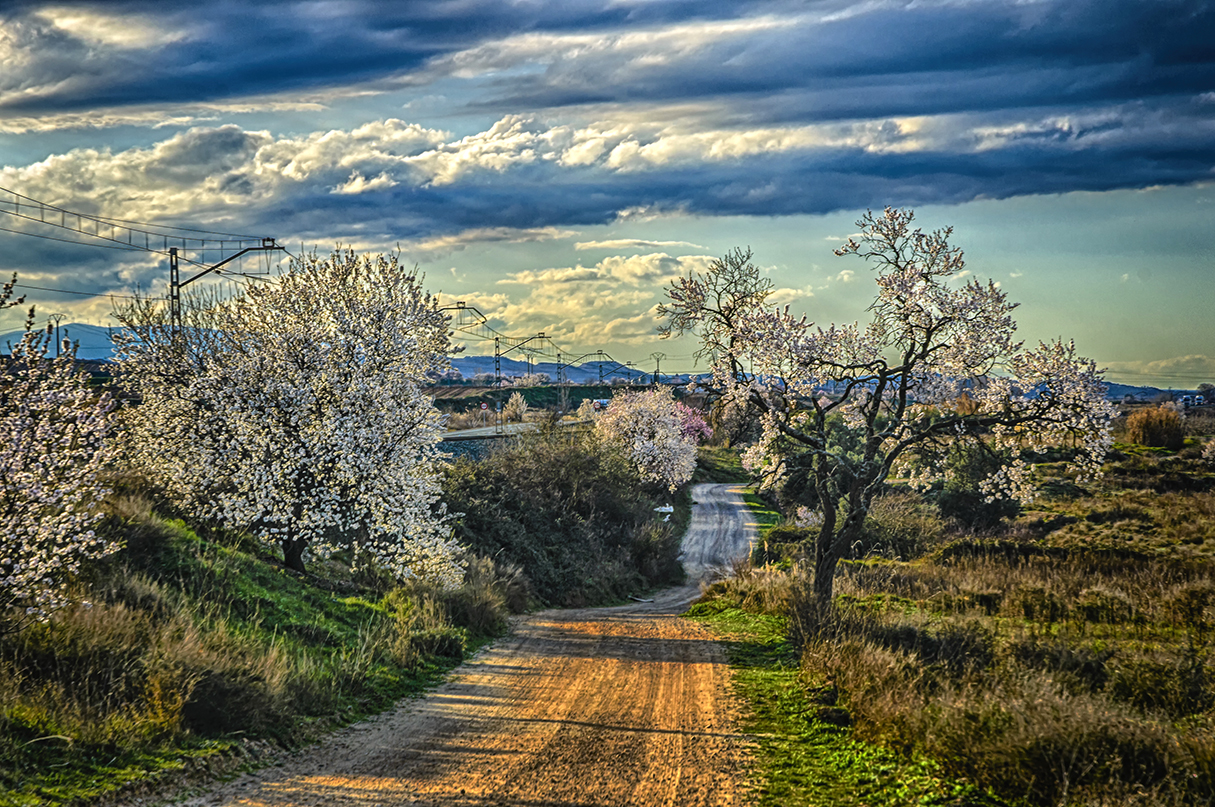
[69,241]
[86,293]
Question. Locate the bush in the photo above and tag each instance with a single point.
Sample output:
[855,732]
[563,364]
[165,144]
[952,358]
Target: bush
[1158,427]
[962,496]
[569,511]
[900,524]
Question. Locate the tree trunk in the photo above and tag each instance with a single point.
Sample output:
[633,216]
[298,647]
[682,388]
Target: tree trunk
[293,554]
[829,556]
[824,577]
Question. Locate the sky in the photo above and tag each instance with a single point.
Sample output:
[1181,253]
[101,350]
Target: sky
[555,163]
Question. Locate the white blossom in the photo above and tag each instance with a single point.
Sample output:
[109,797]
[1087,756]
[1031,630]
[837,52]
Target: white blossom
[297,412]
[938,364]
[54,431]
[654,432]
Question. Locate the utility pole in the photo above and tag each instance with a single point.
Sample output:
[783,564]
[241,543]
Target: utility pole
[657,357]
[57,318]
[176,284]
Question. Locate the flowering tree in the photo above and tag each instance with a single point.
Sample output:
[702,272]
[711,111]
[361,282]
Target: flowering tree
[296,412]
[55,444]
[936,368]
[692,423]
[516,407]
[655,432]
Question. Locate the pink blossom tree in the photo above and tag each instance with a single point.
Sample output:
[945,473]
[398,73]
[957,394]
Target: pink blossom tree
[937,367]
[56,434]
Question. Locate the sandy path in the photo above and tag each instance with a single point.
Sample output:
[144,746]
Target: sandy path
[601,706]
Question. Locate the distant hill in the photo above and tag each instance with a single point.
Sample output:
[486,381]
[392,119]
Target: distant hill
[93,340]
[94,345]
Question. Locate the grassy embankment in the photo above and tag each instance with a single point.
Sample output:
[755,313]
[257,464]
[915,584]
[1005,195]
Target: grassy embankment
[194,652]
[1062,658]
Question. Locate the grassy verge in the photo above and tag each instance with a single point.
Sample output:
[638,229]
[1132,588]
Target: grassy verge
[194,655]
[802,757]
[717,464]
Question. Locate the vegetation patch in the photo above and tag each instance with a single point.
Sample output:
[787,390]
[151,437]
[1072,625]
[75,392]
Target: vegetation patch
[191,652]
[806,752]
[571,512]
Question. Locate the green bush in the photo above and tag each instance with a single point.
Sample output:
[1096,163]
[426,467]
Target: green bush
[569,511]
[900,524]
[962,497]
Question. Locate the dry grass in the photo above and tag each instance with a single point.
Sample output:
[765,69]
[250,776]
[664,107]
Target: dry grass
[180,640]
[1064,679]
[1158,427]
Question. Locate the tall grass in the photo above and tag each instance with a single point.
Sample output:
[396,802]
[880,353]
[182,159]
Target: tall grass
[187,643]
[1058,678]
[1065,659]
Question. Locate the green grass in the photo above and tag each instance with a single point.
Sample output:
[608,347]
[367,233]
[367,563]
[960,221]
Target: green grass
[717,464]
[766,516]
[289,658]
[802,760]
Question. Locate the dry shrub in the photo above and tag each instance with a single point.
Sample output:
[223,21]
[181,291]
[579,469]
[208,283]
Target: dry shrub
[1028,735]
[900,524]
[1158,427]
[1093,686]
[928,688]
[761,590]
[491,591]
[472,418]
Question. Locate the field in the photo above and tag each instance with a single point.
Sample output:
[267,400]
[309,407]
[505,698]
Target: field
[1060,657]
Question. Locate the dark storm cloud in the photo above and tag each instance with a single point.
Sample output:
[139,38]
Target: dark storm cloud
[918,59]
[226,50]
[1014,98]
[816,61]
[800,182]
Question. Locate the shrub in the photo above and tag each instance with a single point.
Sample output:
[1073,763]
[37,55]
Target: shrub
[569,511]
[900,524]
[963,497]
[1158,427]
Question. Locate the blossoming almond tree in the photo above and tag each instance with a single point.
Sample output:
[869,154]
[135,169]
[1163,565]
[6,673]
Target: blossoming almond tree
[656,432]
[296,412]
[55,444]
[936,367]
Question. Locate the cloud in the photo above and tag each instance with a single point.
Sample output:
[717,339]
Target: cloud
[446,244]
[1179,371]
[633,243]
[121,31]
[389,181]
[783,296]
[611,302]
[360,184]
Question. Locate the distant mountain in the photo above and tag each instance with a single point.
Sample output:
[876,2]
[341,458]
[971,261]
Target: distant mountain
[95,345]
[93,340]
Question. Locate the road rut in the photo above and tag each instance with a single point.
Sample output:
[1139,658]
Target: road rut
[599,706]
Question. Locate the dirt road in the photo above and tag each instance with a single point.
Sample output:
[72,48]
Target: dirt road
[601,706]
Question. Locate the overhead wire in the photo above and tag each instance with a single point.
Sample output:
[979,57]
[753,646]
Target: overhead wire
[85,293]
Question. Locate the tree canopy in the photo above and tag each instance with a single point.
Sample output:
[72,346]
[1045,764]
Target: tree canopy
[296,411]
[936,368]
